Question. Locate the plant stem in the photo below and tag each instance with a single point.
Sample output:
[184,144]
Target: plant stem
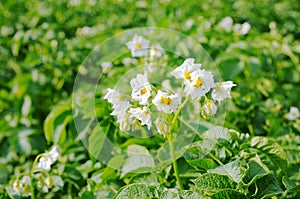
[31,175]
[175,166]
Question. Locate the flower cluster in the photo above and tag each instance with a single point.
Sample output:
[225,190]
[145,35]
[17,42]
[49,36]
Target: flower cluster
[145,98]
[44,181]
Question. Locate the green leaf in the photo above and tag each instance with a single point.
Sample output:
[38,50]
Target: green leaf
[205,163]
[231,169]
[266,187]
[288,183]
[272,149]
[187,194]
[228,194]
[253,172]
[138,191]
[170,194]
[54,125]
[138,158]
[214,182]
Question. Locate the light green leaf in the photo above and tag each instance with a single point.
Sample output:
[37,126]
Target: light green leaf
[55,122]
[138,191]
[231,169]
[170,194]
[272,149]
[214,182]
[187,194]
[228,194]
[138,158]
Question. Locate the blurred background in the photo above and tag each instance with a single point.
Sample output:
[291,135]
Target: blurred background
[43,43]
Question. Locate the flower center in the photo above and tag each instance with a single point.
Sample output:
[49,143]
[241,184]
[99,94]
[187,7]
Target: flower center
[166,100]
[198,82]
[138,46]
[143,91]
[187,75]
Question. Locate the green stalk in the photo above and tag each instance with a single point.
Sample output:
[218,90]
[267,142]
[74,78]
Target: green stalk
[31,175]
[175,166]
[171,144]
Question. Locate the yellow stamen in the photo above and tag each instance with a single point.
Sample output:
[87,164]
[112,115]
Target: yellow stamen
[143,91]
[187,75]
[198,82]
[166,100]
[138,46]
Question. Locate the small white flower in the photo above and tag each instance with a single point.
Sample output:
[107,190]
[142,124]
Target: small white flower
[226,24]
[293,114]
[106,66]
[163,127]
[156,51]
[120,107]
[242,29]
[22,187]
[141,89]
[128,61]
[166,103]
[142,114]
[209,109]
[112,95]
[184,70]
[48,159]
[222,90]
[138,46]
[201,82]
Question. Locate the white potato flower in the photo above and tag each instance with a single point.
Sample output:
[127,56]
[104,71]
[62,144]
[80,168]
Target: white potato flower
[138,46]
[184,70]
[141,89]
[293,114]
[201,82]
[48,159]
[156,51]
[112,95]
[166,103]
[22,187]
[120,107]
[209,109]
[106,66]
[142,114]
[226,24]
[242,29]
[163,127]
[222,90]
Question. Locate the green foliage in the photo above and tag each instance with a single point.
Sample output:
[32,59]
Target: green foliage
[42,46]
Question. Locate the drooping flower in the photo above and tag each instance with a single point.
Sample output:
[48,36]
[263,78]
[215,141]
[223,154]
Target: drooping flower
[106,66]
[22,187]
[138,46]
[222,90]
[156,51]
[242,29]
[201,82]
[184,70]
[112,95]
[48,159]
[226,24]
[293,114]
[209,109]
[141,89]
[142,114]
[120,107]
[166,103]
[163,127]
